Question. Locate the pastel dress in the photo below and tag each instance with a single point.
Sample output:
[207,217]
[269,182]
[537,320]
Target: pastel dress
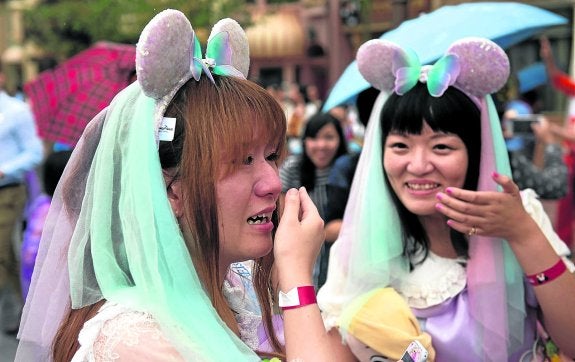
[120,333]
[436,291]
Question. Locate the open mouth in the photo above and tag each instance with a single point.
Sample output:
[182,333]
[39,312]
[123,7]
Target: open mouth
[259,219]
[422,187]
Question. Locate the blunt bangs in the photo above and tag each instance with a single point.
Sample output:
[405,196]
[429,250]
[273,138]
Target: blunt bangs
[248,114]
[453,112]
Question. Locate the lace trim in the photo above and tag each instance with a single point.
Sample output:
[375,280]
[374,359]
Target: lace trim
[126,328]
[115,325]
[248,321]
[112,326]
[531,203]
[433,281]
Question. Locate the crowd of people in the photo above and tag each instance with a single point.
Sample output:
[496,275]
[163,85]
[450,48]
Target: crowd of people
[339,235]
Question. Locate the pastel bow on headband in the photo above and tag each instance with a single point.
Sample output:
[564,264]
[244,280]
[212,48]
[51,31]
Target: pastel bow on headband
[408,71]
[218,57]
[168,54]
[476,66]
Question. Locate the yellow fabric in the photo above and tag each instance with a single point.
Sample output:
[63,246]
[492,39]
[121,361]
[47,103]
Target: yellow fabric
[384,322]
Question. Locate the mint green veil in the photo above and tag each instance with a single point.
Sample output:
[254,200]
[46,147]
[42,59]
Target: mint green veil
[111,234]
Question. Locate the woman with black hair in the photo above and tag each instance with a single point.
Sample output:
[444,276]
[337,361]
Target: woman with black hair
[323,142]
[438,244]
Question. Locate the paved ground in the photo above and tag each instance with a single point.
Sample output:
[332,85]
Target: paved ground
[10,307]
[8,346]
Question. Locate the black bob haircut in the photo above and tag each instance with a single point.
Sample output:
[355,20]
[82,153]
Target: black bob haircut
[453,112]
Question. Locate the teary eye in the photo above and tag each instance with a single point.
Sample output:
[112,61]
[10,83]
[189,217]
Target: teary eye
[273,156]
[248,160]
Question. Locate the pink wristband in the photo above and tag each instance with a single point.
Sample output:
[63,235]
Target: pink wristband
[297,297]
[547,275]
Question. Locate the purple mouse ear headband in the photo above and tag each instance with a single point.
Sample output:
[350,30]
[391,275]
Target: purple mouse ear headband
[476,66]
[168,54]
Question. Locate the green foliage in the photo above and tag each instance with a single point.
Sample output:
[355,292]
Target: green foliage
[63,28]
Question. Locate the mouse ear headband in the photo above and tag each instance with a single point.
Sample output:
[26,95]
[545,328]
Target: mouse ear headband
[111,233]
[476,66]
[168,54]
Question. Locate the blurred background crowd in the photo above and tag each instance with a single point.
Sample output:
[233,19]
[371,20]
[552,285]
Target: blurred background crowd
[61,62]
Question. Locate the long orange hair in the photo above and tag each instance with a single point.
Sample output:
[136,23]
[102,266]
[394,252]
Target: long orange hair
[219,122]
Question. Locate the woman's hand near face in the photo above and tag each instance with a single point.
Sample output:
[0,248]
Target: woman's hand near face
[297,244]
[501,214]
[298,240]
[491,213]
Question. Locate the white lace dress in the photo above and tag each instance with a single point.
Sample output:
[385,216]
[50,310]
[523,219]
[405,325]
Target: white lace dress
[117,333]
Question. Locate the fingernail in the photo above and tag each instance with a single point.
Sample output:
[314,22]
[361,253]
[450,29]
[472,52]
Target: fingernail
[449,191]
[449,222]
[438,206]
[439,196]
[292,192]
[495,174]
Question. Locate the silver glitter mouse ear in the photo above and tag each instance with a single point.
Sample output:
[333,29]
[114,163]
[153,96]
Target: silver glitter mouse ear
[164,54]
[238,44]
[377,61]
[484,66]
[168,54]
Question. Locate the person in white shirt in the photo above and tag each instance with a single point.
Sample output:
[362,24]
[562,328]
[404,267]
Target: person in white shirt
[21,152]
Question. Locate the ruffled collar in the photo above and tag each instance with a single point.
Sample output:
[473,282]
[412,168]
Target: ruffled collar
[433,281]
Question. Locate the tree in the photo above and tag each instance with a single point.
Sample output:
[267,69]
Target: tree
[64,28]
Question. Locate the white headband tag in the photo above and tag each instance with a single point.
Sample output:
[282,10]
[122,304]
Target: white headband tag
[167,128]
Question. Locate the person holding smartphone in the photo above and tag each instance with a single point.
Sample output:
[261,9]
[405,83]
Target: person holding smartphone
[549,180]
[562,82]
[527,132]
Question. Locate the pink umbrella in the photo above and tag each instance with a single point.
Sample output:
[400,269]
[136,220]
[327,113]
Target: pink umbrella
[66,98]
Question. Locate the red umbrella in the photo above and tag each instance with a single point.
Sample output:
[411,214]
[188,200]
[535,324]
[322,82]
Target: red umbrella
[66,98]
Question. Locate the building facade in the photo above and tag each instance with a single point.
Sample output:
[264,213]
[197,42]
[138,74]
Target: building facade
[313,41]
[303,42]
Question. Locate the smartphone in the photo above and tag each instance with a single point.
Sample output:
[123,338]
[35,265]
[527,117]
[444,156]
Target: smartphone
[522,124]
[415,352]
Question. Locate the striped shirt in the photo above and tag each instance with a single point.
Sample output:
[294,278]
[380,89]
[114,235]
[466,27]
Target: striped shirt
[290,175]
